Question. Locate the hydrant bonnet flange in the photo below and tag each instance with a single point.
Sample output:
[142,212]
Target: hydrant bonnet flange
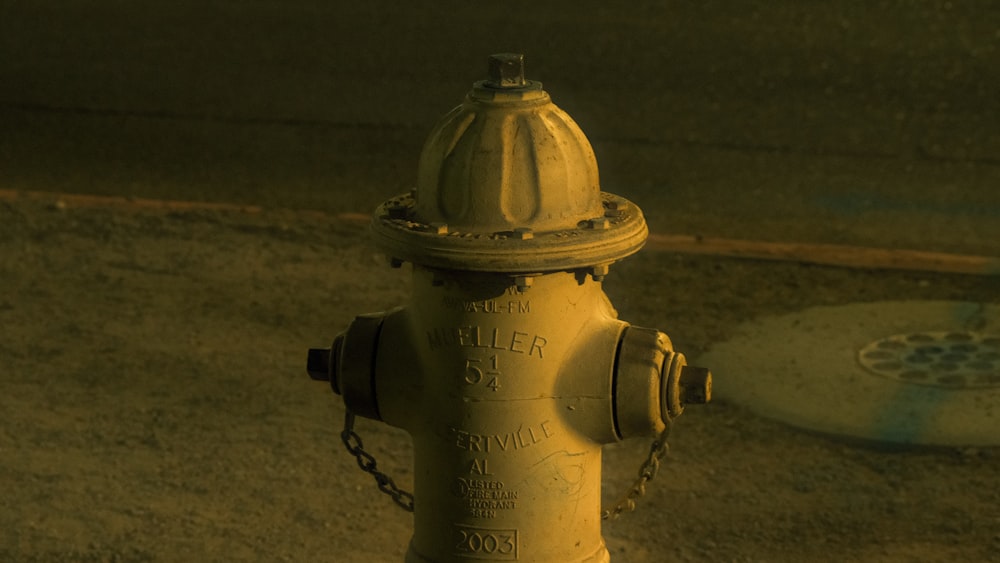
[596,241]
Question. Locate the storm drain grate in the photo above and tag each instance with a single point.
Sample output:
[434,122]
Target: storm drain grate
[955,360]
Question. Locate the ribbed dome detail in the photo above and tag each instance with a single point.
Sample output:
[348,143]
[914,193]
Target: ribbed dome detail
[495,164]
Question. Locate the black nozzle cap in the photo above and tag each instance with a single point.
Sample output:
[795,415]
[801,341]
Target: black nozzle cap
[322,363]
[318,364]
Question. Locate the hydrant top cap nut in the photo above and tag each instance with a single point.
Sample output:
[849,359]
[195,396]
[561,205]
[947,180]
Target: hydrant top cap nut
[506,70]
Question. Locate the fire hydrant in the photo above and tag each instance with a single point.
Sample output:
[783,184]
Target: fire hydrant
[508,367]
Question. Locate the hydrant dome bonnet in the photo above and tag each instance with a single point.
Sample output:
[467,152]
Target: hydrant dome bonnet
[494,165]
[507,181]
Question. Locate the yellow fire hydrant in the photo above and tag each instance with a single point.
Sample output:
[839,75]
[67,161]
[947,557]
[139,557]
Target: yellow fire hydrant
[508,367]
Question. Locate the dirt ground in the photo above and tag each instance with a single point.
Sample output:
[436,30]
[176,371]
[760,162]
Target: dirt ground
[155,405]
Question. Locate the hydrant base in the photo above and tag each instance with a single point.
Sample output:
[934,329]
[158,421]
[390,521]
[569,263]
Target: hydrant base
[600,556]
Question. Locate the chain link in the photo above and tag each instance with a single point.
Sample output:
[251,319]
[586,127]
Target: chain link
[647,471]
[404,499]
[367,463]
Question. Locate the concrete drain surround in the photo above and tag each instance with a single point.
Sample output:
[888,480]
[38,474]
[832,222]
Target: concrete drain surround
[904,372]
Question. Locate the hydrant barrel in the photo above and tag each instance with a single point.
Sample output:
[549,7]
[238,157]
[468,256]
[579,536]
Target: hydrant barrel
[508,407]
[508,366]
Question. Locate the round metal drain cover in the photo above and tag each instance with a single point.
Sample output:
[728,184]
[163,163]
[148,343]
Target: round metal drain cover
[907,372]
[946,359]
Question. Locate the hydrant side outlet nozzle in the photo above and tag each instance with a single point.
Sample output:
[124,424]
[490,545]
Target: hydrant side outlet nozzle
[353,368]
[508,366]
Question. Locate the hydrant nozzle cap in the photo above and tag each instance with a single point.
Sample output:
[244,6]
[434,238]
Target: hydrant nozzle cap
[506,162]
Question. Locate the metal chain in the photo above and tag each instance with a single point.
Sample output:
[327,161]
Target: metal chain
[647,471]
[367,464]
[659,448]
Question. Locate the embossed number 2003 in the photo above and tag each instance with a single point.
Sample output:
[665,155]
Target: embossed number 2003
[474,371]
[494,542]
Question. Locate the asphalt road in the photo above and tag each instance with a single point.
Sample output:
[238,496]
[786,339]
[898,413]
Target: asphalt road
[871,123]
